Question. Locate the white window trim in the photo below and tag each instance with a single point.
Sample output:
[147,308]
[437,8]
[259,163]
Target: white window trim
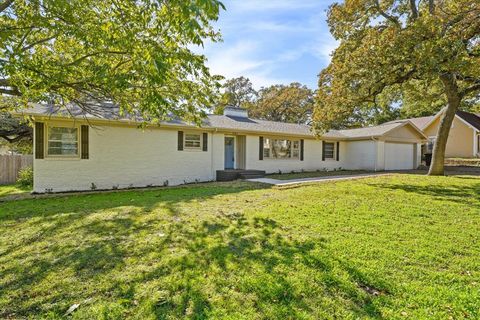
[200,148]
[334,151]
[291,153]
[61,156]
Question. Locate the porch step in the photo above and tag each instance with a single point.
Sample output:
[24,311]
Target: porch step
[234,174]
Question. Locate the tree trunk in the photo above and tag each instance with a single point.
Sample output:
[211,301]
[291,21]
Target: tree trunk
[451,90]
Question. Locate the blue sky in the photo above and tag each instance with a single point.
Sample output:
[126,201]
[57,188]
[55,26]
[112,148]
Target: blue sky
[272,41]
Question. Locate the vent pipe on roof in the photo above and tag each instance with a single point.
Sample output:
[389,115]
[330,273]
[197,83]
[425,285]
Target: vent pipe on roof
[235,112]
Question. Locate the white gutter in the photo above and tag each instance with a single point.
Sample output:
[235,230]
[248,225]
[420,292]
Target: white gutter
[376,153]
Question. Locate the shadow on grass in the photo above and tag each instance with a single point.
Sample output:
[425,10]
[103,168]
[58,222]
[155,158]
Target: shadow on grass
[466,194]
[173,264]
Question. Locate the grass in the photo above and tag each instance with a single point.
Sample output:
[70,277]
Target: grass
[8,190]
[314,174]
[392,247]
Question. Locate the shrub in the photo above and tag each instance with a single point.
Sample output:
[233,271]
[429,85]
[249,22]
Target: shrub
[25,177]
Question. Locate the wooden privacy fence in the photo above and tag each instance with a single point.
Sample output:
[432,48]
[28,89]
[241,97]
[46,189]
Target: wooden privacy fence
[10,165]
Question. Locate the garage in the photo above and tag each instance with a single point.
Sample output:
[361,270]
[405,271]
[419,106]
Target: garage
[399,156]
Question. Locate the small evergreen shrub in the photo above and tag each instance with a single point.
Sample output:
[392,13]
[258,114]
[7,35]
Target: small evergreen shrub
[25,177]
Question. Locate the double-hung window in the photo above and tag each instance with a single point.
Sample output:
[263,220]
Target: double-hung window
[62,141]
[192,141]
[329,149]
[281,148]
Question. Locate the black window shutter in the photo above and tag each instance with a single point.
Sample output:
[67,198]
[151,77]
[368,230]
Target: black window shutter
[205,141]
[39,140]
[301,149]
[260,148]
[323,151]
[180,140]
[85,142]
[338,151]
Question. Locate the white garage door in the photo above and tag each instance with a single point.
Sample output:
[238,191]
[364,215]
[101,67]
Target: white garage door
[398,156]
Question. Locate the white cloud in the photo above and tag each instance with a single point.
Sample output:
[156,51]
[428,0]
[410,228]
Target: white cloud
[241,60]
[262,37]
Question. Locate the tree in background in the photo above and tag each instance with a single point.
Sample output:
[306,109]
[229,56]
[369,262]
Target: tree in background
[15,134]
[428,50]
[133,53]
[238,93]
[291,103]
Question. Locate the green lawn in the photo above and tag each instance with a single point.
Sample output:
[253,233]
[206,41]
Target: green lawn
[314,174]
[393,247]
[8,190]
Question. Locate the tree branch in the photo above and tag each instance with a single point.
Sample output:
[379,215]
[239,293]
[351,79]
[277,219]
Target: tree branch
[4,5]
[431,6]
[39,42]
[11,92]
[470,89]
[413,7]
[386,15]
[94,54]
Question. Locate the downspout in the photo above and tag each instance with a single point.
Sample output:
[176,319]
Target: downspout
[376,154]
[212,158]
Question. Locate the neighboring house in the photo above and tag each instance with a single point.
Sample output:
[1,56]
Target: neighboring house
[78,151]
[463,139]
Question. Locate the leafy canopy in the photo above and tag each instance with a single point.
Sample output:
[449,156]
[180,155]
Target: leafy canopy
[137,54]
[291,103]
[398,51]
[238,93]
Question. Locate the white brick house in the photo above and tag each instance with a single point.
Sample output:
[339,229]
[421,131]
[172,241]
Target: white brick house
[78,151]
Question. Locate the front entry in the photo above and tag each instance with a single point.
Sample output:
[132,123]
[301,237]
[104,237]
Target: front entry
[229,152]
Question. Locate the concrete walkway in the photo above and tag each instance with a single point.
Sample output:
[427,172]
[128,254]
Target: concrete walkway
[277,182]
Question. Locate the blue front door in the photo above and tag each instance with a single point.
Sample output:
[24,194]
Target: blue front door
[229,152]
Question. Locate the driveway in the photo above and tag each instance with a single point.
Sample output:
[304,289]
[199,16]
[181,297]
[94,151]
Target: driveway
[277,182]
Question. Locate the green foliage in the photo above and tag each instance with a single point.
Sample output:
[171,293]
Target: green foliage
[287,103]
[291,103]
[17,133]
[24,146]
[398,51]
[364,249]
[25,177]
[136,54]
[238,93]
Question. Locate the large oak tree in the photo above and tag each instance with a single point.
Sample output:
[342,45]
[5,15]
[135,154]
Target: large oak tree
[291,103]
[137,54]
[405,45]
[236,92]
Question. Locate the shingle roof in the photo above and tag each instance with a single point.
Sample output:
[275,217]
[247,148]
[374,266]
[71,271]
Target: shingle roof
[421,122]
[249,124]
[373,131]
[111,112]
[471,118]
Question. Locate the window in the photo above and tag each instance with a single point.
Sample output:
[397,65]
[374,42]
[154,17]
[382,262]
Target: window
[430,144]
[62,141]
[192,141]
[281,148]
[329,148]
